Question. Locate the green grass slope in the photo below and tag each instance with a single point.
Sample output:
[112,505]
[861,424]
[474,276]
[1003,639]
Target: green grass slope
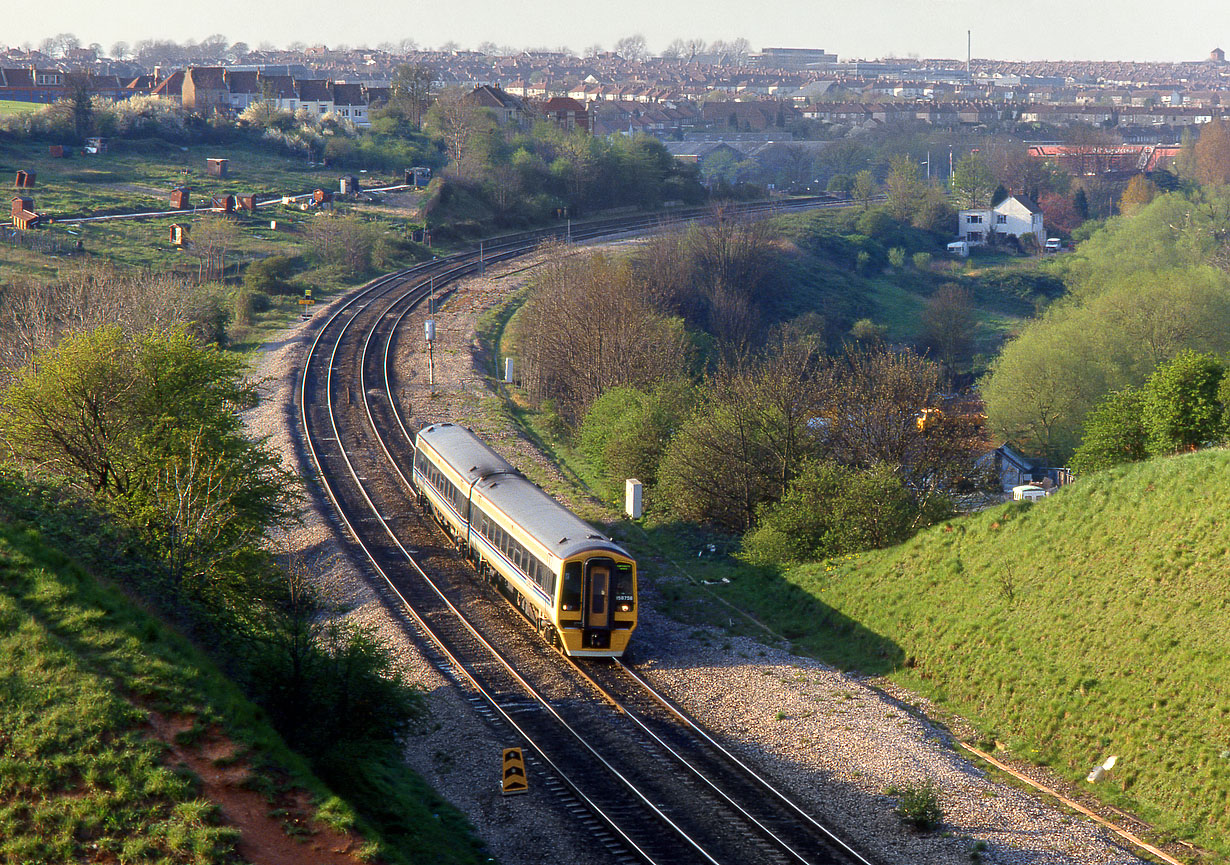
[82,777]
[1093,623]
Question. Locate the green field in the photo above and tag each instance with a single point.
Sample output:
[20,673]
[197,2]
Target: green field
[1093,623]
[9,106]
[138,176]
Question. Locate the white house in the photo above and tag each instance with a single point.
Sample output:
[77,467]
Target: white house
[1016,215]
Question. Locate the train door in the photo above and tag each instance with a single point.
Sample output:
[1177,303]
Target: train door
[596,604]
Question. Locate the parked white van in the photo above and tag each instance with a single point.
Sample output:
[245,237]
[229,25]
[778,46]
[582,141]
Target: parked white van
[1053,244]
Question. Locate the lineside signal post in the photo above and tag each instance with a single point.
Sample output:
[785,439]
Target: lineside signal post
[514,780]
[306,300]
[429,331]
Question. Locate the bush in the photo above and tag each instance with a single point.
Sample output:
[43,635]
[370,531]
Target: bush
[896,257]
[625,430]
[270,275]
[829,510]
[922,260]
[919,806]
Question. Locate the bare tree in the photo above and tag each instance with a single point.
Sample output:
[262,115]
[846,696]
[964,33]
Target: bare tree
[632,48]
[212,238]
[587,327]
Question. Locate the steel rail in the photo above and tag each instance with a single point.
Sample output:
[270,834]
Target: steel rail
[458,664]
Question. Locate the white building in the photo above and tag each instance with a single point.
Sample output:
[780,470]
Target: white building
[1016,215]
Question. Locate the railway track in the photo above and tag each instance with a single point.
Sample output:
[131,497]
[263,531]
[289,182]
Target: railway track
[649,785]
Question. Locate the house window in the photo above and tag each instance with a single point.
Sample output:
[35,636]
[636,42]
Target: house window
[1000,219]
[974,236]
[973,219]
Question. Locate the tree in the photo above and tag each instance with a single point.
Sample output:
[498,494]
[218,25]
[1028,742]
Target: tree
[749,431]
[1139,192]
[465,129]
[632,48]
[412,89]
[1080,203]
[211,238]
[626,429]
[972,182]
[1114,432]
[865,188]
[150,424]
[1059,213]
[1181,406]
[79,87]
[904,187]
[587,327]
[872,399]
[1212,154]
[948,324]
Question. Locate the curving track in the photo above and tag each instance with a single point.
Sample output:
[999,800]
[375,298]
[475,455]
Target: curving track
[650,785]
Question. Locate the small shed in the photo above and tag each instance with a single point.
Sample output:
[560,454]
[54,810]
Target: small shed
[225,203]
[179,198]
[179,234]
[217,167]
[1028,493]
[348,184]
[420,175]
[25,180]
[96,145]
[56,151]
[23,213]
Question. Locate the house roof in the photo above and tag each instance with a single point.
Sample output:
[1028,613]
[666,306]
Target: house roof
[207,77]
[243,82]
[348,94]
[1023,200]
[172,86]
[313,90]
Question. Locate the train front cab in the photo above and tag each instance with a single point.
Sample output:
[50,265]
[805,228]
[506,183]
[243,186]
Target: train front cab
[597,605]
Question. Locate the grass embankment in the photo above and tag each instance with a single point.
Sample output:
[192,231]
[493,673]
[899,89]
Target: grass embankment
[83,776]
[1091,624]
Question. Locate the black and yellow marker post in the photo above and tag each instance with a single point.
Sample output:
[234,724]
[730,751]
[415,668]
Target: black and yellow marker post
[514,780]
[306,300]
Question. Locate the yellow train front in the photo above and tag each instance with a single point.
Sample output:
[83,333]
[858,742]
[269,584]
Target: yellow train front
[578,587]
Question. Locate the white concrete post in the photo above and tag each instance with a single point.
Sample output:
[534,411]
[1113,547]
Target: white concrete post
[632,498]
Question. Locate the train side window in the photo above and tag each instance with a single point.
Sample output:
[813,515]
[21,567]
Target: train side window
[570,595]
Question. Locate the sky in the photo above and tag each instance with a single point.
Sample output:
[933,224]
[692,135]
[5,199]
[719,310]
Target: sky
[1044,30]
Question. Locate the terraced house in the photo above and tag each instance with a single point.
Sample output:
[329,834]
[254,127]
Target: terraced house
[218,90]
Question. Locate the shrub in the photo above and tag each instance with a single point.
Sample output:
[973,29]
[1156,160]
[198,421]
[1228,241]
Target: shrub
[270,275]
[919,806]
[896,257]
[829,510]
[922,260]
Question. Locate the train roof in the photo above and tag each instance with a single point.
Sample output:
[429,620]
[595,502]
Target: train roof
[553,525]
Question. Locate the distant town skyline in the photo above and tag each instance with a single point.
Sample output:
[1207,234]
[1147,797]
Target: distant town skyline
[1137,31]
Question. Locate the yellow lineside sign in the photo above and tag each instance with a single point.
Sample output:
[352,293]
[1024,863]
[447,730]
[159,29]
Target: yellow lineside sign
[514,780]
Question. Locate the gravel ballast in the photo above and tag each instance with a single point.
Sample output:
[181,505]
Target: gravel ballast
[836,742]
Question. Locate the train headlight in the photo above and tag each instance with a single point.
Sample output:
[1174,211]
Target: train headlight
[625,608]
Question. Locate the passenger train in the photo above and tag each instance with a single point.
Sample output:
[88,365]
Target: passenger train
[576,586]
